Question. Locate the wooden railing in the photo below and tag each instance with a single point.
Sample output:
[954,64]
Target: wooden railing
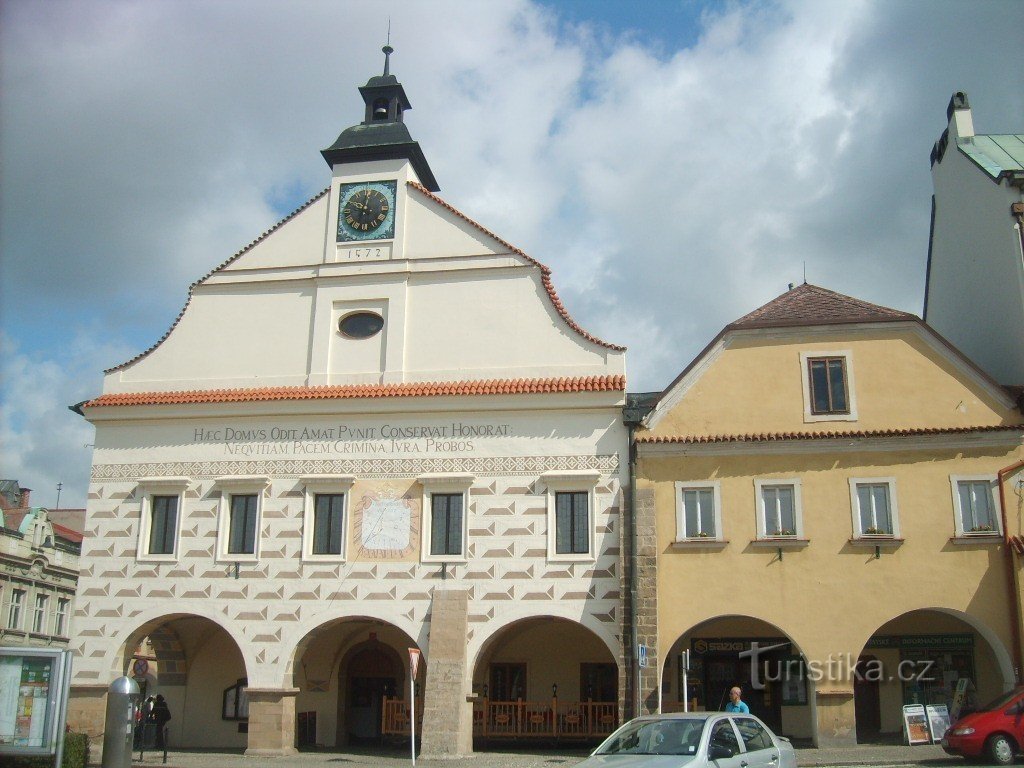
[544,720]
[394,717]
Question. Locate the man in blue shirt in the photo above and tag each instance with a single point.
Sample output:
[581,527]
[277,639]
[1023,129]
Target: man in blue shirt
[736,704]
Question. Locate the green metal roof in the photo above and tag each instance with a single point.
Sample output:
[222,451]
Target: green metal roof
[996,155]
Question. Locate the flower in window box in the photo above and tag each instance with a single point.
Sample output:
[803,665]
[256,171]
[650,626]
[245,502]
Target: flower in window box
[873,531]
[779,533]
[703,535]
[982,529]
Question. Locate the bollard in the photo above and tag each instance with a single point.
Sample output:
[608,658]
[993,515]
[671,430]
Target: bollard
[122,702]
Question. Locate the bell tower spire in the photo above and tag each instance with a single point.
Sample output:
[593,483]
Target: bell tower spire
[382,135]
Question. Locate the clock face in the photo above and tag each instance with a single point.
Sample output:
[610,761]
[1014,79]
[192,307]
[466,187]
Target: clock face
[366,211]
[385,527]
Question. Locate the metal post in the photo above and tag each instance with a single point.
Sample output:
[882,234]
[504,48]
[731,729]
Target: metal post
[684,660]
[412,713]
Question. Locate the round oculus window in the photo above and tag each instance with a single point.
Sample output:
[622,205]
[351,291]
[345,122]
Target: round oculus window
[360,325]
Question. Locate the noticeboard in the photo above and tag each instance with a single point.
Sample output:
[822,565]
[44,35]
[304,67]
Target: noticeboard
[33,699]
[938,720]
[915,724]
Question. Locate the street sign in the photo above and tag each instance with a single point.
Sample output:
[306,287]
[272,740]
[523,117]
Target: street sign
[414,660]
[641,655]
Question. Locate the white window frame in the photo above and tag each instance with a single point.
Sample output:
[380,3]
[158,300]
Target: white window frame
[39,606]
[805,383]
[716,495]
[238,485]
[159,486]
[322,485]
[798,511]
[16,600]
[571,481]
[855,483]
[453,483]
[958,518]
[61,617]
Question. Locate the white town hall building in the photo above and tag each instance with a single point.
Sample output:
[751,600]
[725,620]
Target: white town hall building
[375,428]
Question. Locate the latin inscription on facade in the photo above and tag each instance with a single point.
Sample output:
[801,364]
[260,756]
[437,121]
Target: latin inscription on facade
[373,439]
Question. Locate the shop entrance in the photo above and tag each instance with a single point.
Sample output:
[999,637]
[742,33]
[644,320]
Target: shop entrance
[748,653]
[371,676]
[867,705]
[925,657]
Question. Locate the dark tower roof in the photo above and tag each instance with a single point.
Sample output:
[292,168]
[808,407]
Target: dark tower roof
[382,135]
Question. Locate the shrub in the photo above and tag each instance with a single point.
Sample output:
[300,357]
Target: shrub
[76,755]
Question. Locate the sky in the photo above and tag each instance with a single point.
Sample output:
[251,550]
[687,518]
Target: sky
[675,162]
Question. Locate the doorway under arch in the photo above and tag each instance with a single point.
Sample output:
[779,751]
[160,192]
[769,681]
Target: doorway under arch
[755,655]
[922,657]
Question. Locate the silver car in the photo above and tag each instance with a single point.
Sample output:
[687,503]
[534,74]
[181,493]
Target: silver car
[715,739]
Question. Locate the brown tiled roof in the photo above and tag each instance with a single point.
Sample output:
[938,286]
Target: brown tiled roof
[544,270]
[812,305]
[344,392]
[767,437]
[66,533]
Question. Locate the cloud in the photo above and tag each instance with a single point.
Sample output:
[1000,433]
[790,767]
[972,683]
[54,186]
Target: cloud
[671,187]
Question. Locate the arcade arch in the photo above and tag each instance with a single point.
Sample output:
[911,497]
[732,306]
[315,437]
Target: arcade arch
[920,657]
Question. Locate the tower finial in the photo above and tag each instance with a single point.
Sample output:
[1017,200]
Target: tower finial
[388,50]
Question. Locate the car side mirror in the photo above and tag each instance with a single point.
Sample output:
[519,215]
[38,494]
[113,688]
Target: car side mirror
[720,752]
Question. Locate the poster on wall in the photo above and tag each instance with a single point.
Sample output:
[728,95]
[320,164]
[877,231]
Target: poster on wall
[915,724]
[938,720]
[33,699]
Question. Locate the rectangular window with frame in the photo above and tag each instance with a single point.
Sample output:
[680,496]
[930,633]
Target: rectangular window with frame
[328,523]
[977,511]
[778,503]
[14,609]
[446,521]
[39,613]
[572,522]
[163,524]
[698,518]
[60,620]
[828,390]
[874,509]
[242,524]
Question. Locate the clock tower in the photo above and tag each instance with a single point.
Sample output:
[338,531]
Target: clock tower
[383,134]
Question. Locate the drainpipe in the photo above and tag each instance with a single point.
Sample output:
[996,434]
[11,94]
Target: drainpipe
[1017,210]
[634,635]
[1011,576]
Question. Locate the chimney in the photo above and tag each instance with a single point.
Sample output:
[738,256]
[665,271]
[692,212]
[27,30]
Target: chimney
[26,497]
[958,113]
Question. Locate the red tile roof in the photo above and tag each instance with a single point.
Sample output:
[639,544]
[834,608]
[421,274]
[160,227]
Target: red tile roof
[544,270]
[66,533]
[812,305]
[344,392]
[766,437]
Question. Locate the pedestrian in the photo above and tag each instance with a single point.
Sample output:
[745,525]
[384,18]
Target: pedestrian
[160,715]
[736,703]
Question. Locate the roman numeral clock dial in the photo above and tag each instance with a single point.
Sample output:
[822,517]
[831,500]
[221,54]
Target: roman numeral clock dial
[366,211]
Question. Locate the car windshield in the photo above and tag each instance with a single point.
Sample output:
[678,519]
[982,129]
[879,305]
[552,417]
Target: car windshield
[655,737]
[1001,702]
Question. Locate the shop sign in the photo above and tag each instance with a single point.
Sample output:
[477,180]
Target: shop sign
[701,646]
[935,642]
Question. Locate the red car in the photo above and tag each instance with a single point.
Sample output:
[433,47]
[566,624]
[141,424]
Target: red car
[995,731]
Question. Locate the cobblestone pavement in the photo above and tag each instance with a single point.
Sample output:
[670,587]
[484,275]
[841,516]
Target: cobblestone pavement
[930,756]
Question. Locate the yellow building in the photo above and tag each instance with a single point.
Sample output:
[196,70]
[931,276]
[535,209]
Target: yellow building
[826,500]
